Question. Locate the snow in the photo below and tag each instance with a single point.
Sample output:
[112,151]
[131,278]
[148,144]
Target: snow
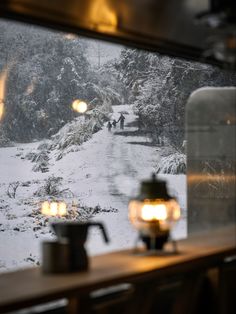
[105,170]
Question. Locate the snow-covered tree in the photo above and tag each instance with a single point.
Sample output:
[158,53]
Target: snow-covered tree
[46,74]
[158,87]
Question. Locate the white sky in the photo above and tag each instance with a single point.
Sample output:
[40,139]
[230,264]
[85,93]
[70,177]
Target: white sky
[103,51]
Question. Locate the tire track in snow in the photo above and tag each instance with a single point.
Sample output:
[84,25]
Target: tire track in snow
[120,156]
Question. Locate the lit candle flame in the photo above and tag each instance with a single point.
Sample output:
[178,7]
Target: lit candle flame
[79,106]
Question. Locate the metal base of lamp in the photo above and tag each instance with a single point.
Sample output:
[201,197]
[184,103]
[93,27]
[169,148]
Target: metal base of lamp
[155,246]
[155,243]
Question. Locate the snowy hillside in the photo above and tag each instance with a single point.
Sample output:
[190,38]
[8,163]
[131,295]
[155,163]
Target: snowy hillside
[96,180]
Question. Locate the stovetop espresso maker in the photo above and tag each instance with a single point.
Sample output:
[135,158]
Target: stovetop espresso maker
[67,253]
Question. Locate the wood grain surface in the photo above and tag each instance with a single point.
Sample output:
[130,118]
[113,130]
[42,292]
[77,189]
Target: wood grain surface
[29,287]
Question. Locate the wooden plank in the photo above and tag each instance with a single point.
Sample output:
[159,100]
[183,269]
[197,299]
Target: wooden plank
[29,287]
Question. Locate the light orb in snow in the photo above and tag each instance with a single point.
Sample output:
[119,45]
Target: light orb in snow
[54,208]
[79,106]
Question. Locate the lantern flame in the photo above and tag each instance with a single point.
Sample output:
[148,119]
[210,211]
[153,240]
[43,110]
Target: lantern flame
[154,212]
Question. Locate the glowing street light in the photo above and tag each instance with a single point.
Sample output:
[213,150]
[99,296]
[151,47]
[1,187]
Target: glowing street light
[79,106]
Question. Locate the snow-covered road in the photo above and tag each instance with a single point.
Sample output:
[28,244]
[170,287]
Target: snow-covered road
[106,170]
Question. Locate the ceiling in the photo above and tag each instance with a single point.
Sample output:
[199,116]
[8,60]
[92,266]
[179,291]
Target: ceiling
[166,26]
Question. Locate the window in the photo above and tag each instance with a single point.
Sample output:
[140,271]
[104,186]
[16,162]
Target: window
[92,161]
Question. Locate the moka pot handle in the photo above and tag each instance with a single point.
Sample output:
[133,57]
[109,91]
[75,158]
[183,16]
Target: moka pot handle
[102,228]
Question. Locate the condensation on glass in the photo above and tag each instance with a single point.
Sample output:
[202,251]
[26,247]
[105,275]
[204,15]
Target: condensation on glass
[211,158]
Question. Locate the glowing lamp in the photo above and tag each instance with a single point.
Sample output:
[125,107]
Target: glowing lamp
[153,213]
[79,106]
[54,208]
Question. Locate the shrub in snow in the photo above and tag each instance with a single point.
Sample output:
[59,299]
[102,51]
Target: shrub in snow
[12,187]
[44,146]
[86,212]
[74,133]
[41,166]
[52,188]
[41,159]
[80,130]
[38,156]
[30,156]
[173,164]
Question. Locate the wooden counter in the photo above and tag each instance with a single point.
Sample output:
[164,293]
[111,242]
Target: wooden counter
[30,287]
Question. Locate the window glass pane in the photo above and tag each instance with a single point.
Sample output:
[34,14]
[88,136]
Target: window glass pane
[92,161]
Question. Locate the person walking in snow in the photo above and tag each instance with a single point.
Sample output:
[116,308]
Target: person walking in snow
[122,121]
[114,122]
[109,126]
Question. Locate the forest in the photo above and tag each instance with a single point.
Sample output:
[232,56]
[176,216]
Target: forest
[46,71]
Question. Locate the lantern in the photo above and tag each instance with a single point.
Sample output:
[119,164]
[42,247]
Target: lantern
[153,213]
